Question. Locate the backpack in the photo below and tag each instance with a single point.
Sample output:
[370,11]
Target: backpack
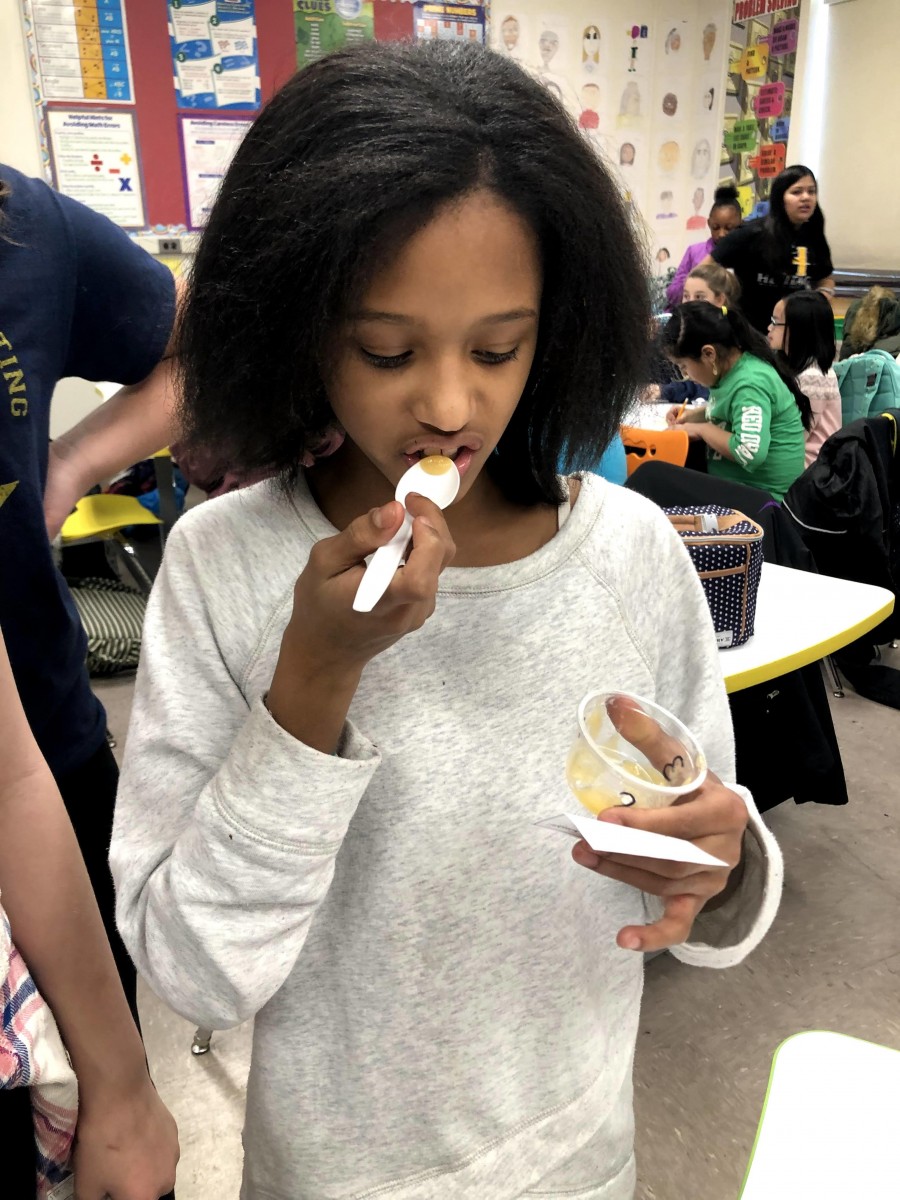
[869,384]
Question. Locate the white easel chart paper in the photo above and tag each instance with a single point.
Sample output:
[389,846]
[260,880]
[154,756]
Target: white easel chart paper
[208,146]
[95,160]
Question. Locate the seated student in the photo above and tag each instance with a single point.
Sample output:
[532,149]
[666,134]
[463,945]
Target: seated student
[872,323]
[715,285]
[724,217]
[802,334]
[754,424]
[293,766]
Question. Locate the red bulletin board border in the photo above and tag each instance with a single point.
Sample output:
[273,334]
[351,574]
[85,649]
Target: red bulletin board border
[155,107]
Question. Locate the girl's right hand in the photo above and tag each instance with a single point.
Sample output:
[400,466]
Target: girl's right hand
[672,415]
[326,644]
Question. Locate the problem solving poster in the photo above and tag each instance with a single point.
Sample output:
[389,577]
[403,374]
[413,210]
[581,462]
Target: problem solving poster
[215,62]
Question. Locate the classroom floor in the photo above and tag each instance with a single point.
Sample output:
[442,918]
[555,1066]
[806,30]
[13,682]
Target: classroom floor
[832,961]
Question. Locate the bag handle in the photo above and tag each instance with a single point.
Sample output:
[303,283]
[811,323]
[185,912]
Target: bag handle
[707,522]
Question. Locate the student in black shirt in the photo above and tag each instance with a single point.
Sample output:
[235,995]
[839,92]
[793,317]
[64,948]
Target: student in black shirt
[783,252]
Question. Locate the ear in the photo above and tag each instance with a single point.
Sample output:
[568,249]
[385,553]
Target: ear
[708,354]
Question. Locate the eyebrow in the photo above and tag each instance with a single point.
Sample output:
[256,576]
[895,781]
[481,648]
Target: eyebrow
[504,318]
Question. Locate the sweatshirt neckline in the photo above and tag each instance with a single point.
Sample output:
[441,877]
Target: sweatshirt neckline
[471,580]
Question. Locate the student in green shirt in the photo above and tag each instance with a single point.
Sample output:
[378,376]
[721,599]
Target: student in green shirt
[754,424]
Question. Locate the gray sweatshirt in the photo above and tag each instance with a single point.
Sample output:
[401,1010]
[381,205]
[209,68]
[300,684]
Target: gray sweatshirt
[441,1010]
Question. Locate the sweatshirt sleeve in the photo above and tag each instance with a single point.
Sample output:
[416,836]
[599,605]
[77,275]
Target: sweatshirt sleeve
[226,828]
[751,428]
[690,684]
[675,290]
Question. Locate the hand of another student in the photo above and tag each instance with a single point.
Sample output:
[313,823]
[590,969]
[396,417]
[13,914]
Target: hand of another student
[126,1146]
[713,818]
[64,488]
[674,415]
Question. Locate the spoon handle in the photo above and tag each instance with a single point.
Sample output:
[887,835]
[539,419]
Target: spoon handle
[382,567]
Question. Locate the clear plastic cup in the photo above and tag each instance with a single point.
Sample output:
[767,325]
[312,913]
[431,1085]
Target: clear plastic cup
[630,751]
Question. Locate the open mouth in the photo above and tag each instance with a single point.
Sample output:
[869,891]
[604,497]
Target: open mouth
[461,455]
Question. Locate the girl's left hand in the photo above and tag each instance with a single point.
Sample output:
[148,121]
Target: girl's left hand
[713,818]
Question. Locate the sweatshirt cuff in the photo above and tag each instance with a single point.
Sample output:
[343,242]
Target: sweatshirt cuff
[278,791]
[728,934]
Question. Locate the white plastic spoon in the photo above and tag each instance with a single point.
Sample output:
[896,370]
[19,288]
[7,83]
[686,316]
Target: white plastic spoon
[436,478]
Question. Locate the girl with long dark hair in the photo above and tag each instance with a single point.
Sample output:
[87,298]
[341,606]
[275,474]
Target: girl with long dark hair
[802,333]
[783,252]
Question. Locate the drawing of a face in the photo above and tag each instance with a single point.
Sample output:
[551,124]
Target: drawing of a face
[510,33]
[590,46]
[699,197]
[669,154]
[673,42]
[626,155]
[631,101]
[701,160]
[670,104]
[709,97]
[548,46]
[590,97]
[709,39]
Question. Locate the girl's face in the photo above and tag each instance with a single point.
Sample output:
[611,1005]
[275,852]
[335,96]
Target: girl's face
[701,158]
[436,357]
[777,329]
[800,200]
[702,370]
[699,289]
[722,221]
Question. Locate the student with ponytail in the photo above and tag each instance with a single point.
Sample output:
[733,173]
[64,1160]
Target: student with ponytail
[754,423]
[724,217]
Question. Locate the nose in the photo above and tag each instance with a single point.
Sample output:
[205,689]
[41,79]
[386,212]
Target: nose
[446,401]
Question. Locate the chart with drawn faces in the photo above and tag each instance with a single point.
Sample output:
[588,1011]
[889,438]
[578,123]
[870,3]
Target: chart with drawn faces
[645,84]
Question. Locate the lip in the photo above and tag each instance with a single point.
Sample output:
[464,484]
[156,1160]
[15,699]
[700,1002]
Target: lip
[468,447]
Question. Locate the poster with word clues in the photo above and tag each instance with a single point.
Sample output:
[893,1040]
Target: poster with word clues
[82,50]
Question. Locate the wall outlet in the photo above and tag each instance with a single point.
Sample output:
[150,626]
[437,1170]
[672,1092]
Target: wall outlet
[170,245]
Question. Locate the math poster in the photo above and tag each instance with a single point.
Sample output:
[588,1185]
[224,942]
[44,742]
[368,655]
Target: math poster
[321,26]
[208,145]
[449,23]
[82,50]
[215,63]
[759,93]
[95,160]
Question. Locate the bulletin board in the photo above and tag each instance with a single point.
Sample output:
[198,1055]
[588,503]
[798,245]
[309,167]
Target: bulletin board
[139,104]
[762,59]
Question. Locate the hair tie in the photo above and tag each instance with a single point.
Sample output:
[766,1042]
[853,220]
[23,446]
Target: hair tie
[724,310]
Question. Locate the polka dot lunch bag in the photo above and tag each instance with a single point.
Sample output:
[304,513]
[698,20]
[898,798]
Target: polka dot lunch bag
[726,549]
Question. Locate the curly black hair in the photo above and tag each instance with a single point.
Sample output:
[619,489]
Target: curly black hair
[349,159]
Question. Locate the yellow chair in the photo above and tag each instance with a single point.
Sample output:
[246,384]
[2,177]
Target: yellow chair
[654,445]
[102,518]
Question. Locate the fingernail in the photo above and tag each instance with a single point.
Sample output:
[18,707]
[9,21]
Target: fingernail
[586,859]
[379,516]
[630,941]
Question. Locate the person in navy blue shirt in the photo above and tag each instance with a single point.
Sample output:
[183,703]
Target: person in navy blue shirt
[77,298]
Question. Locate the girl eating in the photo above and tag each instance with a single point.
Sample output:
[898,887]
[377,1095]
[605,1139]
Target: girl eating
[326,818]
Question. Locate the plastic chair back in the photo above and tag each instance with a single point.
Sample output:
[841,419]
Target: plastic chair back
[99,516]
[651,445]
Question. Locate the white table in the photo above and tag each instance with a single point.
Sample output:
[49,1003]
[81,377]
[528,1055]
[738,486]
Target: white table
[800,618]
[648,416]
[829,1125]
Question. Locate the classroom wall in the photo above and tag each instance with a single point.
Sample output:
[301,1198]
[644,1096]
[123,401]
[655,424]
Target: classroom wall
[848,130]
[18,134]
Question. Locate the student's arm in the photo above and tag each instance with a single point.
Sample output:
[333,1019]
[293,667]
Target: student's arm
[751,430]
[130,426]
[127,1145]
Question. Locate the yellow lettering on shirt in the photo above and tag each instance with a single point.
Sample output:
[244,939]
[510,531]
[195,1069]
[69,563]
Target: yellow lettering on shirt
[16,386]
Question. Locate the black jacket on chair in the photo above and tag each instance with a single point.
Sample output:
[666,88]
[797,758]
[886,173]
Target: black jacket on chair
[785,742]
[846,507]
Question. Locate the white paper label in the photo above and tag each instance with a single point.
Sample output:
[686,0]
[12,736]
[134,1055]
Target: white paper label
[64,1190]
[607,838]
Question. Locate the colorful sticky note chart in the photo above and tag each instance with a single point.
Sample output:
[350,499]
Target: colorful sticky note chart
[82,50]
[743,136]
[783,38]
[770,101]
[770,160]
[781,129]
[754,62]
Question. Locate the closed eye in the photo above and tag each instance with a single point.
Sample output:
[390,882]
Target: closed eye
[385,362]
[493,358]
